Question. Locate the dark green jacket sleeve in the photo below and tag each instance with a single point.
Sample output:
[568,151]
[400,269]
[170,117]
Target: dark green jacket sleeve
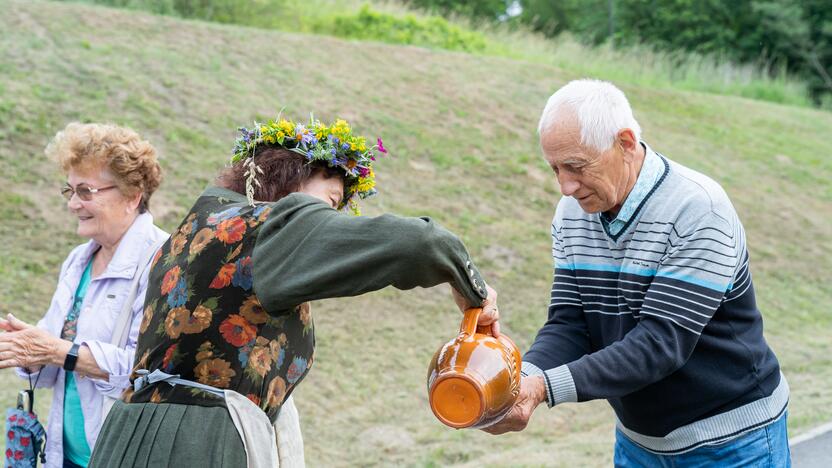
[307,251]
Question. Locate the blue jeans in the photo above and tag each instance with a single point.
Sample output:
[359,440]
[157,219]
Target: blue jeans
[765,447]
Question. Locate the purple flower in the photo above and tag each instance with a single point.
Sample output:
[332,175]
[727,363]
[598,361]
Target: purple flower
[308,139]
[345,147]
[363,171]
[381,146]
[309,154]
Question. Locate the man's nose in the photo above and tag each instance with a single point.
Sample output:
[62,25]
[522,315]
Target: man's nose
[568,185]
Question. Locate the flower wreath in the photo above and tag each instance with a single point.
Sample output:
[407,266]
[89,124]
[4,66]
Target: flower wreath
[334,144]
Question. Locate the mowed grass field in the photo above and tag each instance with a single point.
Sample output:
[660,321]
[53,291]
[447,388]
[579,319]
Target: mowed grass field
[463,149]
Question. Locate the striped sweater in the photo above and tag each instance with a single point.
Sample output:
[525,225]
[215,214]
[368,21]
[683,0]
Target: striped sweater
[660,319]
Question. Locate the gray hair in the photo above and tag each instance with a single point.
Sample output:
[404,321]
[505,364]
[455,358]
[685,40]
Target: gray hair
[601,108]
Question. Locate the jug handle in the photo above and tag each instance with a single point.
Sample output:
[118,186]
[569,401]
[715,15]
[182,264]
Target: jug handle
[469,323]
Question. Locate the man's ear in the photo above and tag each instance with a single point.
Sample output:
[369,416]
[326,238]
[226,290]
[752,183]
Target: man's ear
[627,141]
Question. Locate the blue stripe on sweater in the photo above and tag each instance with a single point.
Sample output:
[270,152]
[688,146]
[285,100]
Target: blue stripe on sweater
[648,272]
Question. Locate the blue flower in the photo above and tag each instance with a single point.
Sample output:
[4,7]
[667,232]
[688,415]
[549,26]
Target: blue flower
[309,154]
[259,209]
[243,275]
[296,370]
[178,296]
[244,351]
[281,356]
[216,218]
[345,147]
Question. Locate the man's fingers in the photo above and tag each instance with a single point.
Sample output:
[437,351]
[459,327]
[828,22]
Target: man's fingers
[495,430]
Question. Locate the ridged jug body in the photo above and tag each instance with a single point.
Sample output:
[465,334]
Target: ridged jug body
[474,379]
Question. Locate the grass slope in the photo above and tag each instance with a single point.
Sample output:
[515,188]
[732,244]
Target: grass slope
[461,132]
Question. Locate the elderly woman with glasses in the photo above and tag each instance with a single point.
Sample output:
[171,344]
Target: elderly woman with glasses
[84,346]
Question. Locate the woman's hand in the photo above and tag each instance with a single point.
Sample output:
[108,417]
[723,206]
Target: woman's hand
[490,315]
[30,347]
[24,345]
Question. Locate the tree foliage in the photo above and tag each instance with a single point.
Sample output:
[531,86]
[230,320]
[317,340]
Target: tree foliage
[791,35]
[477,9]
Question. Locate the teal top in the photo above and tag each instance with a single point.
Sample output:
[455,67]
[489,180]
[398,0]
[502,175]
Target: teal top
[651,171]
[76,448]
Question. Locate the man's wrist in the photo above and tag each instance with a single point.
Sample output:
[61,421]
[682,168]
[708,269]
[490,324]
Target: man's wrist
[539,391]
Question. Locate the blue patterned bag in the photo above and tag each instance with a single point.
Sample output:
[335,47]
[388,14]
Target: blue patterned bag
[25,435]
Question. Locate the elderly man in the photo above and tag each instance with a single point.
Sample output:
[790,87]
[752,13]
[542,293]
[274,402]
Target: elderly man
[652,305]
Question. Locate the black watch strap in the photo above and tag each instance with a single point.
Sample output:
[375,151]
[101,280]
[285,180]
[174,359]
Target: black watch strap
[71,358]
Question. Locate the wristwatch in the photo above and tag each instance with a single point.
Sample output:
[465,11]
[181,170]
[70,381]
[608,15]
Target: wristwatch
[71,358]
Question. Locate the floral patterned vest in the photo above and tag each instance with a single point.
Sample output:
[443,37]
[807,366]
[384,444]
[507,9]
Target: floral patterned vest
[203,321]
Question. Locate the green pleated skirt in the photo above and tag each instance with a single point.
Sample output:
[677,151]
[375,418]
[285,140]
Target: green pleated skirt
[140,435]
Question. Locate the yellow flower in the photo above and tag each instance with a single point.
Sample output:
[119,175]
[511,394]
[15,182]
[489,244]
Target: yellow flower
[274,349]
[363,185]
[276,392]
[214,372]
[177,244]
[260,360]
[198,321]
[305,313]
[146,317]
[252,311]
[201,240]
[285,126]
[205,351]
[176,320]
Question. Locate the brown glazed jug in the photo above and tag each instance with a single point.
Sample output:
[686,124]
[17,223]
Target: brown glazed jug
[474,379]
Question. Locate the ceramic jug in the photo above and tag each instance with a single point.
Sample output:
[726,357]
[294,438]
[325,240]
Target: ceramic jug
[474,379]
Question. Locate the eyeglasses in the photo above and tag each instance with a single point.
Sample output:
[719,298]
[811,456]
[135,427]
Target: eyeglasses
[84,191]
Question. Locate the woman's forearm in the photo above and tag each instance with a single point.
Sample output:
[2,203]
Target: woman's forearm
[85,365]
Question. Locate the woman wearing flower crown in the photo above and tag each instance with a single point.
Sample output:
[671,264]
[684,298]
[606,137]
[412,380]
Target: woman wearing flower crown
[227,333]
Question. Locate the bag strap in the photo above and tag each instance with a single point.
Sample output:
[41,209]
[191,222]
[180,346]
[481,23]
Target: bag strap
[122,329]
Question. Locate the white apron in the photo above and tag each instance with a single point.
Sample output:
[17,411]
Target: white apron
[266,445]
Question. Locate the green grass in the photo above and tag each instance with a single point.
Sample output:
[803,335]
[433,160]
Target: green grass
[391,22]
[461,130]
